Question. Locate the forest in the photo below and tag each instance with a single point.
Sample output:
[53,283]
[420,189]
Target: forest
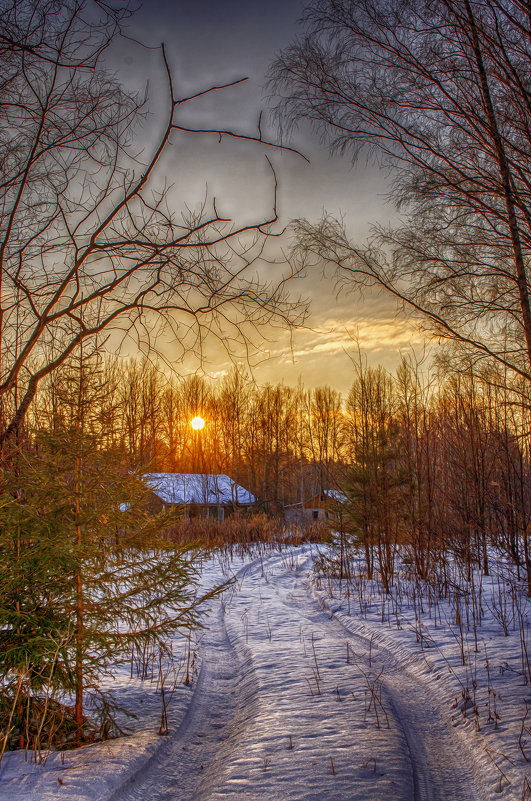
[269,629]
[435,465]
[432,461]
[428,472]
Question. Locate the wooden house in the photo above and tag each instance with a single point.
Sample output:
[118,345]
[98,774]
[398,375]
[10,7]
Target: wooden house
[324,506]
[201,494]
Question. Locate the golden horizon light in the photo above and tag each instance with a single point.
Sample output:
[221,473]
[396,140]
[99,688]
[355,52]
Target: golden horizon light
[197,423]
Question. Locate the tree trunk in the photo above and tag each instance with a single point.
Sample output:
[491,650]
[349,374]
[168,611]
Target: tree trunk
[78,711]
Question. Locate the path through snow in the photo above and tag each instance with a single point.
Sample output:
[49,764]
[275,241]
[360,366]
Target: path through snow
[291,704]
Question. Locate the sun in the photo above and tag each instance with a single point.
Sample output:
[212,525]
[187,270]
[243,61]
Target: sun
[197,423]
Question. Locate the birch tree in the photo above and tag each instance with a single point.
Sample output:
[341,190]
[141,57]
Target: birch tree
[438,93]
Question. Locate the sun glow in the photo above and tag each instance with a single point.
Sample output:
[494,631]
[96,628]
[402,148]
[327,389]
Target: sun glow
[197,423]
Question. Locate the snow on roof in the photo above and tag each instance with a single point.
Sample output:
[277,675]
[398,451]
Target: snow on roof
[336,495]
[197,488]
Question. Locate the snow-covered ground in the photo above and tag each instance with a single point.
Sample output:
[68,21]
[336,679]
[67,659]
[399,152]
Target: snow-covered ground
[305,687]
[470,651]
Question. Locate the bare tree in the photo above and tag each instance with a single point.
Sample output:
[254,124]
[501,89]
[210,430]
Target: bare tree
[324,434]
[437,91]
[89,241]
[422,467]
[375,484]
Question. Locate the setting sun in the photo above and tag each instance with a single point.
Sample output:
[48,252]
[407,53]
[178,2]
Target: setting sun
[197,423]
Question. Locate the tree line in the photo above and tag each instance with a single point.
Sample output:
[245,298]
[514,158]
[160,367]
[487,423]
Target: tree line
[428,467]
[89,243]
[440,460]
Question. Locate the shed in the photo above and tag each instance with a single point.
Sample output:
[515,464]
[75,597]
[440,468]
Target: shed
[325,505]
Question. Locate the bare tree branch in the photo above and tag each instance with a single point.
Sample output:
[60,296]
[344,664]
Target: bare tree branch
[438,92]
[89,242]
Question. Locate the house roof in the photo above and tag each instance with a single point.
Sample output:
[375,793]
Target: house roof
[336,495]
[202,488]
[320,500]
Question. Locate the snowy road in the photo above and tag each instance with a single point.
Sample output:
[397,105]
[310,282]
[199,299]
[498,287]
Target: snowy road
[290,704]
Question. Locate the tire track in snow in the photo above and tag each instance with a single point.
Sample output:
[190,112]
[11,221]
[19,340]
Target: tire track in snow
[279,712]
[308,739]
[420,734]
[443,767]
[191,760]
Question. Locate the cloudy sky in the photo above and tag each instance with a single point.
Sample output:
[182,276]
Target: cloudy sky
[209,43]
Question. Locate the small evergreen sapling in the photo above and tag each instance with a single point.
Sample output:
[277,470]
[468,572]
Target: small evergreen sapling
[85,574]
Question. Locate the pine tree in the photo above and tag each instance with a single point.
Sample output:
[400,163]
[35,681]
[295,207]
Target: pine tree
[84,575]
[374,483]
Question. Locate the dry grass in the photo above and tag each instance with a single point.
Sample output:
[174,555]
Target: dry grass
[244,530]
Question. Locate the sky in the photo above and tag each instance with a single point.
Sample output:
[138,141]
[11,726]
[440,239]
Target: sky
[209,43]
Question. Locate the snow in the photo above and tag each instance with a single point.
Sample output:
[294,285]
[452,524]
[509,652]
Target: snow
[95,772]
[336,495]
[305,687]
[90,774]
[477,678]
[186,488]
